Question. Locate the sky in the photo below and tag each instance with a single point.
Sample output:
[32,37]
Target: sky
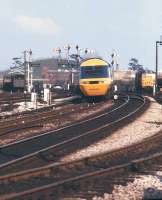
[131,28]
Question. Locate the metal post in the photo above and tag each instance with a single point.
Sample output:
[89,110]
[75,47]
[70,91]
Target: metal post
[11,103]
[59,51]
[86,51]
[156,74]
[112,64]
[117,62]
[68,50]
[25,99]
[31,78]
[25,86]
[156,67]
[31,70]
[28,77]
[113,71]
[77,48]
[72,77]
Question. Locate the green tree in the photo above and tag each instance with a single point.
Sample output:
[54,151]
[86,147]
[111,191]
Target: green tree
[134,65]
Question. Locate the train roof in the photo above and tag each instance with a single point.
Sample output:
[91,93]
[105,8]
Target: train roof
[94,62]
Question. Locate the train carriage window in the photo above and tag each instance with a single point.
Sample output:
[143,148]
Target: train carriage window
[94,72]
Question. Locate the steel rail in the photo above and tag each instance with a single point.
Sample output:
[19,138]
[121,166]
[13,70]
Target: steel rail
[59,183]
[52,190]
[104,160]
[70,137]
[38,110]
[39,118]
[43,154]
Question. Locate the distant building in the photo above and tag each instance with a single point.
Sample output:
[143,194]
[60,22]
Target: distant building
[54,71]
[2,73]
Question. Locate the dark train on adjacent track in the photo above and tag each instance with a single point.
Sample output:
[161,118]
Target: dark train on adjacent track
[13,82]
[145,81]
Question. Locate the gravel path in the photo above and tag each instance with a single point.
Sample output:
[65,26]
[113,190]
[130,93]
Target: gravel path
[148,124]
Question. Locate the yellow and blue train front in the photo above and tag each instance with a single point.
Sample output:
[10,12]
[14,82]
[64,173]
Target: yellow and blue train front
[95,79]
[95,87]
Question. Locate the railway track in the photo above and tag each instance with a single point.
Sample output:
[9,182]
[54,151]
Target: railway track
[6,119]
[48,170]
[8,100]
[27,112]
[37,121]
[26,121]
[13,98]
[21,148]
[90,184]
[22,171]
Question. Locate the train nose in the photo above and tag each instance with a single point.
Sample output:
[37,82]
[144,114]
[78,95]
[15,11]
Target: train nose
[94,90]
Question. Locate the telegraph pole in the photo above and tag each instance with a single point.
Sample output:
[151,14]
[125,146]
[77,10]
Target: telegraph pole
[112,63]
[156,70]
[156,74]
[68,50]
[77,49]
[31,70]
[25,85]
[27,70]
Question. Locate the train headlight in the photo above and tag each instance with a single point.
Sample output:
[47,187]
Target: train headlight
[85,82]
[115,97]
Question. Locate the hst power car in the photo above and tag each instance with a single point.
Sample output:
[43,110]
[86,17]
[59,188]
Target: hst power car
[95,77]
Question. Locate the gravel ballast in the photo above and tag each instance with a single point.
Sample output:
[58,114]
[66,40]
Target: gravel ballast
[145,187]
[148,124]
[54,124]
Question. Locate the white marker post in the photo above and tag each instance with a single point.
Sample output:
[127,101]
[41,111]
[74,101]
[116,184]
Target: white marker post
[154,90]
